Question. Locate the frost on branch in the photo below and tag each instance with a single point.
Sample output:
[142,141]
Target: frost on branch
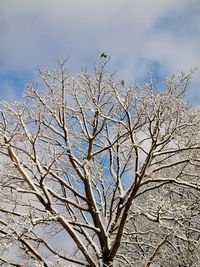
[98,174]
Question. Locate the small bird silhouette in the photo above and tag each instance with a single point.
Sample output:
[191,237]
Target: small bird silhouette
[103,55]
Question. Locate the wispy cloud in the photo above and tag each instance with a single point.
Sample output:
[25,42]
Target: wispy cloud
[139,35]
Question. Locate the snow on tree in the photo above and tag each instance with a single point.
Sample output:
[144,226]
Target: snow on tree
[111,169]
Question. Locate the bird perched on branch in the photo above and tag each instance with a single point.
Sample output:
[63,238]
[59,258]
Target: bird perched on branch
[122,82]
[103,55]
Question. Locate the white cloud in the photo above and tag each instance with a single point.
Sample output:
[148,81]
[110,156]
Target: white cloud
[134,33]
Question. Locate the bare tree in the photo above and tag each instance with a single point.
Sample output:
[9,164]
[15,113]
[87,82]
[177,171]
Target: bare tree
[110,169]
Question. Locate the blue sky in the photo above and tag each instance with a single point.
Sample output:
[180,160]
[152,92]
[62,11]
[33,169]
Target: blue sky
[162,36]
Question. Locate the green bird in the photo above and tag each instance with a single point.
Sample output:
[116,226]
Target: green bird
[122,82]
